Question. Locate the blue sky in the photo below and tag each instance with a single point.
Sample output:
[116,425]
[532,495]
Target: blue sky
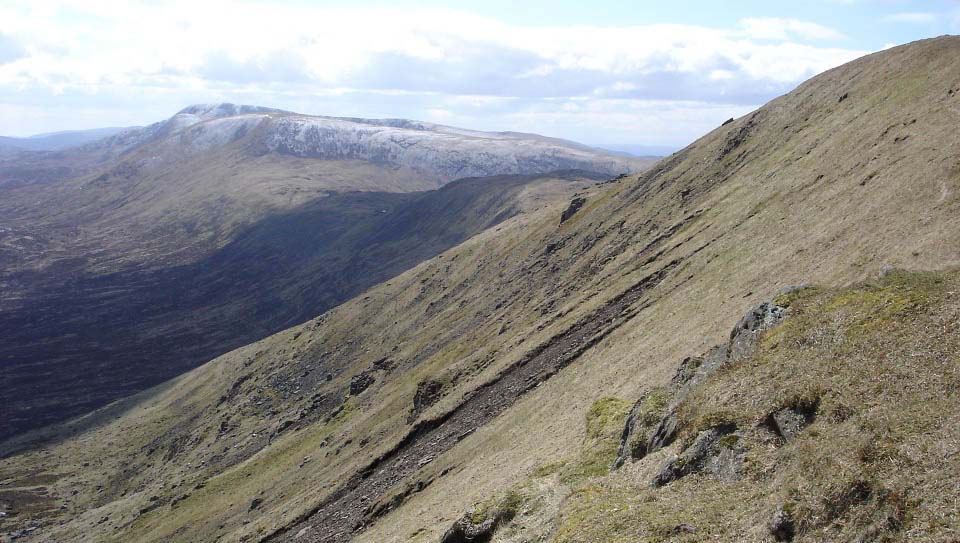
[601,72]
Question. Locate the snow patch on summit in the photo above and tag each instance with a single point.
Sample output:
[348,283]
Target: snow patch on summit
[438,152]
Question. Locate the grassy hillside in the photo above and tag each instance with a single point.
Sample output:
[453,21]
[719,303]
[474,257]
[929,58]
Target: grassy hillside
[126,261]
[77,341]
[467,379]
[874,368]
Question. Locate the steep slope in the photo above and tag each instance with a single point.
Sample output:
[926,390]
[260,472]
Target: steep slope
[838,424]
[388,416]
[79,341]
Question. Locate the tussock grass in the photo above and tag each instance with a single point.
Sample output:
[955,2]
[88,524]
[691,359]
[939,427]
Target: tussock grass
[880,361]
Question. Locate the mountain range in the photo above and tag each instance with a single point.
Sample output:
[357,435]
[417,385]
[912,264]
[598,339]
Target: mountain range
[130,259]
[753,339]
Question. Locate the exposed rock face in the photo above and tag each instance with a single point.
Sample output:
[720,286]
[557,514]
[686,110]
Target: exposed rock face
[691,372]
[575,206]
[640,422]
[744,334]
[480,522]
[715,451]
[623,451]
[465,531]
[428,392]
[361,382]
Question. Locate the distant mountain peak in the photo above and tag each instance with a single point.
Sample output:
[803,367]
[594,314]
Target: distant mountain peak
[224,109]
[435,152]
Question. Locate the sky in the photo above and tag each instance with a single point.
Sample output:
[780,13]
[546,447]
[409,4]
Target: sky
[602,72]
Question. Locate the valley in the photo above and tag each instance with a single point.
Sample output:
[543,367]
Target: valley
[129,260]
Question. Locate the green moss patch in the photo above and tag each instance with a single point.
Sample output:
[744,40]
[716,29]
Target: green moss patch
[604,423]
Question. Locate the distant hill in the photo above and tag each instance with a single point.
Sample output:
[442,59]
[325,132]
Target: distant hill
[174,190]
[56,141]
[75,340]
[640,151]
[130,259]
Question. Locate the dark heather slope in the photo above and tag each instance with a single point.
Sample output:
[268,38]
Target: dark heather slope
[469,377]
[85,340]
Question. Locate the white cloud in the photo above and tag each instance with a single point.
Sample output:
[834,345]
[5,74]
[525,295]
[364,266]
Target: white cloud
[391,62]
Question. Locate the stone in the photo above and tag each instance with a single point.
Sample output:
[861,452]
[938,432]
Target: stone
[623,450]
[743,337]
[664,432]
[572,209]
[716,451]
[788,422]
[360,382]
[427,394]
[782,526]
[686,371]
[464,531]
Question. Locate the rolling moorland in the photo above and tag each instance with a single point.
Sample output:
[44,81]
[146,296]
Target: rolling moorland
[177,242]
[753,340]
[55,141]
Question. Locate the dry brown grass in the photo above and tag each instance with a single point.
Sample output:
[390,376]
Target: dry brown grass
[880,362]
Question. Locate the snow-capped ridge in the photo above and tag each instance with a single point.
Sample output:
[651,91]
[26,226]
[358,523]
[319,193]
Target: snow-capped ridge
[224,109]
[438,152]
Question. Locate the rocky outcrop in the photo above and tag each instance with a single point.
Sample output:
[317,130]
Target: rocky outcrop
[782,526]
[572,209]
[694,371]
[480,522]
[427,394]
[789,421]
[642,419]
[361,382]
[715,451]
[640,437]
[466,531]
